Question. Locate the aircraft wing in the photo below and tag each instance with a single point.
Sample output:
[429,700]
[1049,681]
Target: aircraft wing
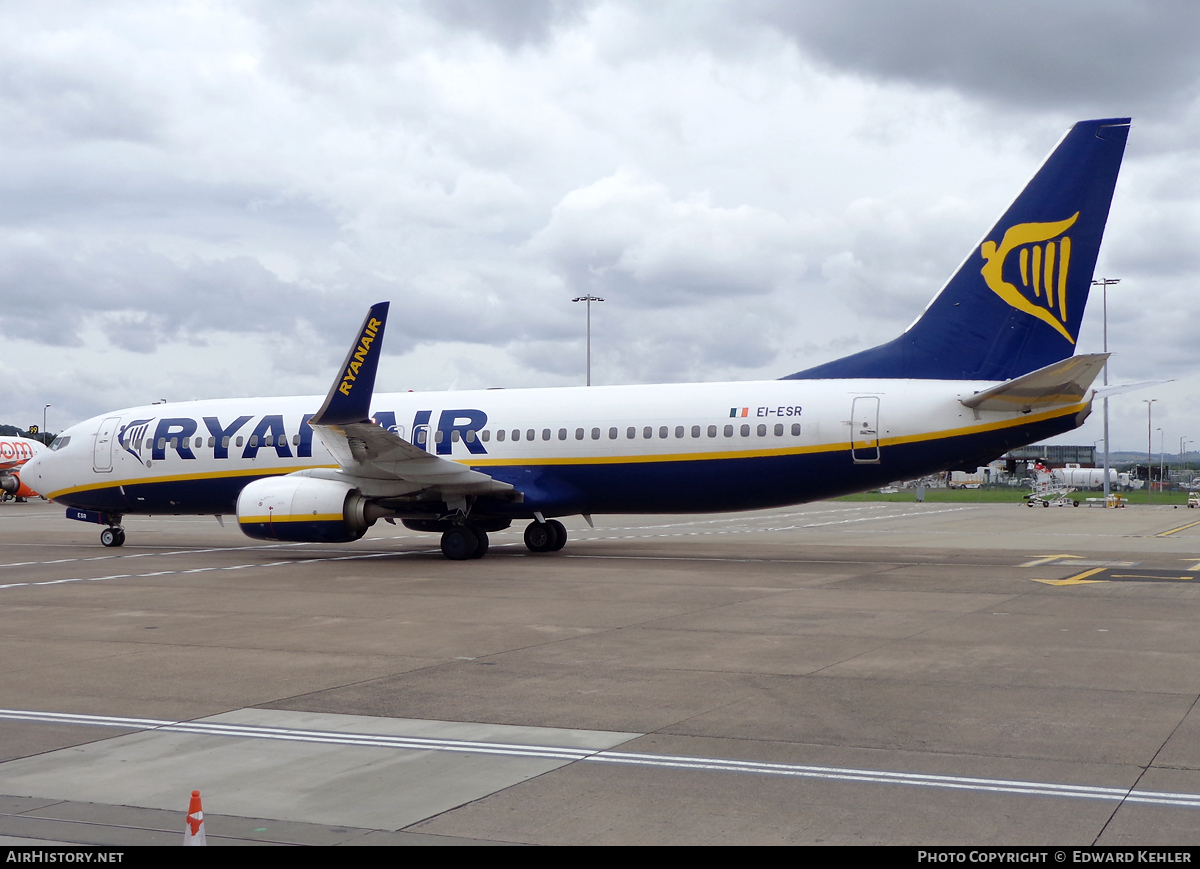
[381,463]
[1064,382]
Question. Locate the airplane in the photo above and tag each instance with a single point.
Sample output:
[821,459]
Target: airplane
[988,366]
[14,453]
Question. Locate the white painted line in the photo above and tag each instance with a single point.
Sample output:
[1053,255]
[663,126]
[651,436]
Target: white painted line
[356,557]
[623,758]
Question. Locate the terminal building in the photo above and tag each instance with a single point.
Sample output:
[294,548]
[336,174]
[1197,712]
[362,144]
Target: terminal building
[1020,460]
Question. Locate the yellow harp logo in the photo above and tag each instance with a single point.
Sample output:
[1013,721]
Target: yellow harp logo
[1043,259]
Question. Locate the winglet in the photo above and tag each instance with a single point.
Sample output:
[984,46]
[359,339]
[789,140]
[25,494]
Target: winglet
[349,398]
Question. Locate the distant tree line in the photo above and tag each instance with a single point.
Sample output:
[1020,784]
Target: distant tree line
[16,432]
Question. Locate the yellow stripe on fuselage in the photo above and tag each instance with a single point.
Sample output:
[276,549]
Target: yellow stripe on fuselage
[267,520]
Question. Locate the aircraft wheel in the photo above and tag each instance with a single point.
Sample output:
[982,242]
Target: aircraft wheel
[113,537]
[459,544]
[1045,503]
[482,540]
[540,537]
[560,532]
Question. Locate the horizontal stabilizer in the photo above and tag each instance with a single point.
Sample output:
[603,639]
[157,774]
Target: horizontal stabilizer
[1065,382]
[1106,391]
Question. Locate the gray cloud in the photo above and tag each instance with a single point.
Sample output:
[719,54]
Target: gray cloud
[1104,56]
[512,23]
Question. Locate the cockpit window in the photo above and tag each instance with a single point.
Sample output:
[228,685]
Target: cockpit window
[59,442]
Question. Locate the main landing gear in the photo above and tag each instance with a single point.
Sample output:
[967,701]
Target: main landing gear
[114,535]
[463,542]
[549,536]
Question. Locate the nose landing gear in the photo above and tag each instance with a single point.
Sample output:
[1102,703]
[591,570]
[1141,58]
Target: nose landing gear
[114,535]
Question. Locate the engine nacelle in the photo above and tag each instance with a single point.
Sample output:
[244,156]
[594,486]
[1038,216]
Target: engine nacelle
[303,510]
[12,484]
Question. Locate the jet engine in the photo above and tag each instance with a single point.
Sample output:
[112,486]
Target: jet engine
[12,485]
[305,510]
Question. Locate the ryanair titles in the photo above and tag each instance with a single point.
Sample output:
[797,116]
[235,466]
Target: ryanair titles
[365,340]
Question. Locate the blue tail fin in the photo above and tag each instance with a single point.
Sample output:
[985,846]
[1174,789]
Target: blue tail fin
[349,398]
[1015,305]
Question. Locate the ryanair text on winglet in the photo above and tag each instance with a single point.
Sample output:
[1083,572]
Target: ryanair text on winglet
[360,356]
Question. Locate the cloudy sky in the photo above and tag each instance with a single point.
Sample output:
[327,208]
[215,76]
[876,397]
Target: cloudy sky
[202,198]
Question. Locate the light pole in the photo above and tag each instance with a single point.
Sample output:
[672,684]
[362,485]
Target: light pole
[1104,285]
[44,409]
[1149,448]
[589,298]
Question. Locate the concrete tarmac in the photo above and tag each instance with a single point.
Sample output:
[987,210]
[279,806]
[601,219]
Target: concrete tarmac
[836,673]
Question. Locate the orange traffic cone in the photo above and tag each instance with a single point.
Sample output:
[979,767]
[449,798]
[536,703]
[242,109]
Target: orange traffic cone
[193,828]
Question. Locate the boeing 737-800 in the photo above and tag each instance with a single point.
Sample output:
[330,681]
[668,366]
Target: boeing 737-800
[988,366]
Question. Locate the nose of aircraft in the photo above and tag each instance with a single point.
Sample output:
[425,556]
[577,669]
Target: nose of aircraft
[35,473]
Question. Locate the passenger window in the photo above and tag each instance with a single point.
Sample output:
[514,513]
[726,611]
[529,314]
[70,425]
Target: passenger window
[578,434]
[712,431]
[269,440]
[778,429]
[678,431]
[420,437]
[225,442]
[530,435]
[438,436]
[454,436]
[174,443]
[795,428]
[296,440]
[516,434]
[631,432]
[545,434]
[612,433]
[695,431]
[562,434]
[212,442]
[199,442]
[253,440]
[470,436]
[728,431]
[762,430]
[500,435]
[486,435]
[595,434]
[745,431]
[662,431]
[239,441]
[647,432]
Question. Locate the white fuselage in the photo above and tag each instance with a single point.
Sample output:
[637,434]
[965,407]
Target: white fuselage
[660,448]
